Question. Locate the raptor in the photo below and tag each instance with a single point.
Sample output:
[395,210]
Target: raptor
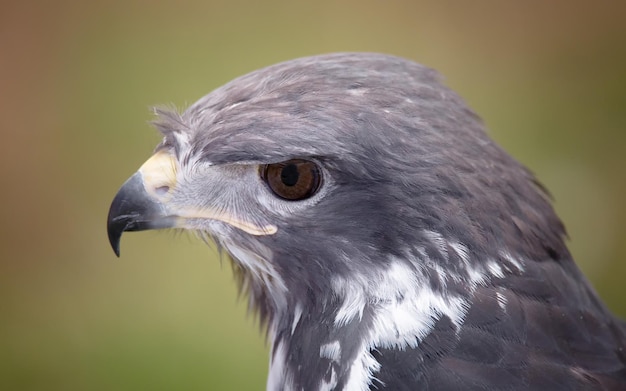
[385,240]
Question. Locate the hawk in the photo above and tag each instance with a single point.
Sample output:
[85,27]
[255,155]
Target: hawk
[385,240]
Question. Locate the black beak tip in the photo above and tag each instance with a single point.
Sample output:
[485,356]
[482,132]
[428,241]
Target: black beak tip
[115,234]
[126,204]
[115,243]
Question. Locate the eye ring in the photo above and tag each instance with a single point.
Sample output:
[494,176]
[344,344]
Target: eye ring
[292,180]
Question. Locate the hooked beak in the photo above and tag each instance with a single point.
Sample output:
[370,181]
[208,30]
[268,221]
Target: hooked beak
[140,204]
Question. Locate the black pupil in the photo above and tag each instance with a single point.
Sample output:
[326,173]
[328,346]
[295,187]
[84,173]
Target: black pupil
[289,175]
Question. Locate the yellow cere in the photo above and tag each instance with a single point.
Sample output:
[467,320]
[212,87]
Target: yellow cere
[159,172]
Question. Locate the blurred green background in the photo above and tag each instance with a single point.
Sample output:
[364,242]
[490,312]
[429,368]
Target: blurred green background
[77,79]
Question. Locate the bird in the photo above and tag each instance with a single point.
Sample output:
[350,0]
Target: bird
[385,241]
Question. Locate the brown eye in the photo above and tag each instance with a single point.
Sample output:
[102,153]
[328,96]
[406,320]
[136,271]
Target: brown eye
[292,180]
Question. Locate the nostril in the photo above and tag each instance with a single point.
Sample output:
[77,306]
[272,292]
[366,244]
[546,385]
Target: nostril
[162,190]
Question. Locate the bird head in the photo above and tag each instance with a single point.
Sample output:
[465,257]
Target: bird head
[331,168]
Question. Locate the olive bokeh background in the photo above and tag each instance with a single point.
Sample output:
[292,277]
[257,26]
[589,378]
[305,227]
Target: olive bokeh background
[77,79]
